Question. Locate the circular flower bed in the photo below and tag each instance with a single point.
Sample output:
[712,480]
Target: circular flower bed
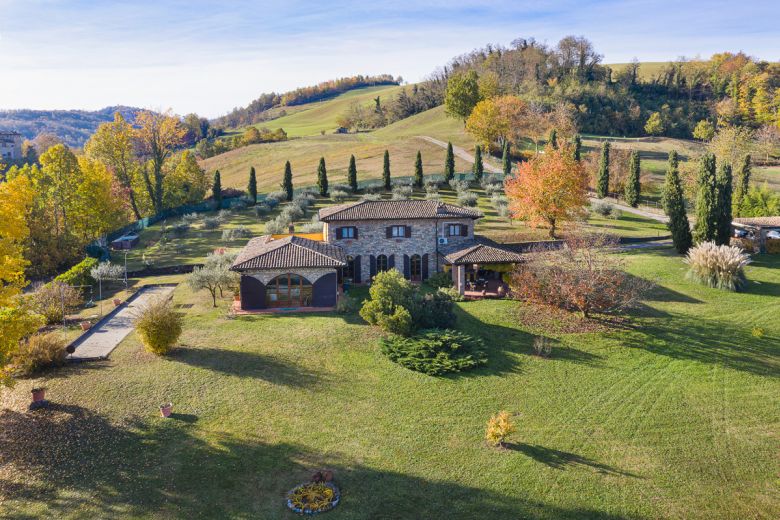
[313,498]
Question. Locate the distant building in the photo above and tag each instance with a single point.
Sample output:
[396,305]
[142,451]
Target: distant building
[10,146]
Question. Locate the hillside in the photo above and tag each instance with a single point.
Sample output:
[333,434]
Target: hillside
[648,70]
[73,126]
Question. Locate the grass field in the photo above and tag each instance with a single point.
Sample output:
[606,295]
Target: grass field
[673,414]
[401,139]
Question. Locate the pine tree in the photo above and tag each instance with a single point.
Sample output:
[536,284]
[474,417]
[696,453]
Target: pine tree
[553,139]
[352,174]
[449,164]
[252,186]
[706,227]
[506,160]
[216,190]
[674,207]
[743,185]
[725,192]
[602,186]
[322,178]
[386,171]
[632,186]
[577,147]
[418,171]
[479,168]
[287,182]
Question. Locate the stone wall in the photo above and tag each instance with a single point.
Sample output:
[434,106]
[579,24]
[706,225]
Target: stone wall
[372,240]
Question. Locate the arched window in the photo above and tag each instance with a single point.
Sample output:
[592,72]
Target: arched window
[288,290]
[348,272]
[381,263]
[415,267]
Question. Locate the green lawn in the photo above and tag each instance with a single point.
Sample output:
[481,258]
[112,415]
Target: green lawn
[672,415]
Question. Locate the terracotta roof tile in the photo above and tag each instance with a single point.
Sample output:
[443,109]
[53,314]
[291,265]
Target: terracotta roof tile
[484,251]
[396,209]
[289,252]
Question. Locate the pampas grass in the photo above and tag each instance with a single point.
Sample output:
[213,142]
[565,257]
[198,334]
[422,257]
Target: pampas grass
[721,267]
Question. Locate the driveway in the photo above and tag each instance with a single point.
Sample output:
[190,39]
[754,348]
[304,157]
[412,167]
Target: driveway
[99,341]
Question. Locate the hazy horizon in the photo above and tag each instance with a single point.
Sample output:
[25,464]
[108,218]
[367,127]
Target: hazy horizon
[200,56]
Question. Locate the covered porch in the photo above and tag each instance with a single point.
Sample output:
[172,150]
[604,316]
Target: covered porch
[482,270]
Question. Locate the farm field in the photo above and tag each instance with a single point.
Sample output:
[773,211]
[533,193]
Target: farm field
[672,414]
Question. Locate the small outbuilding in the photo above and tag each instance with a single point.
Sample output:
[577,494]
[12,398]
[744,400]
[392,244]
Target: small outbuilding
[757,234]
[125,242]
[288,273]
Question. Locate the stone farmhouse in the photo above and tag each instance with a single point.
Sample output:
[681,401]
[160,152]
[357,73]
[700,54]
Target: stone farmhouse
[10,146]
[359,240]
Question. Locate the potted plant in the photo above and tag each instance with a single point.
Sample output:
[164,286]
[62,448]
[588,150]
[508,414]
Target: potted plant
[38,394]
[117,302]
[166,409]
[85,325]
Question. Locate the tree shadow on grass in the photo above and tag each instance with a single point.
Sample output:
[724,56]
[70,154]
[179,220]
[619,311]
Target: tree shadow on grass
[563,459]
[67,461]
[246,364]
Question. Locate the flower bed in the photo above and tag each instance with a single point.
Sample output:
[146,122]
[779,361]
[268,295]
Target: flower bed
[313,497]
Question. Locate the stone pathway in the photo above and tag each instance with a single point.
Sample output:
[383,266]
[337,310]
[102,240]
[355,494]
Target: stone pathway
[99,341]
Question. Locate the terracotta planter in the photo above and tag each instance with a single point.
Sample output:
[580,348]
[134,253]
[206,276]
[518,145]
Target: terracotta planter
[117,302]
[38,394]
[236,297]
[85,325]
[166,409]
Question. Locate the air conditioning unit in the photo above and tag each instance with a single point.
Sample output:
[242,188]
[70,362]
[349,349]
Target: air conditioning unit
[442,241]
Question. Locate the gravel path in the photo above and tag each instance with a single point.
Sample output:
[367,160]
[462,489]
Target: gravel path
[99,341]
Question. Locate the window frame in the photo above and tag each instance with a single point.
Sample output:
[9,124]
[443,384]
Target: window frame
[341,233]
[395,228]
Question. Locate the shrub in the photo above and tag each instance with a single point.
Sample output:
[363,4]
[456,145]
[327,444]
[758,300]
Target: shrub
[106,271]
[347,305]
[37,352]
[278,225]
[293,212]
[271,203]
[53,299]
[159,326]
[399,322]
[236,233]
[584,275]
[452,293]
[315,226]
[180,229]
[602,208]
[717,266]
[211,223]
[432,311]
[499,427]
[389,292]
[224,215]
[543,346]
[440,280]
[459,186]
[191,217]
[339,195]
[79,273]
[432,196]
[494,189]
[757,332]
[371,196]
[467,198]
[278,196]
[239,205]
[402,192]
[435,351]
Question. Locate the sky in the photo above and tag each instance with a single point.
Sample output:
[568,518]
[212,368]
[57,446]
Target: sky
[210,56]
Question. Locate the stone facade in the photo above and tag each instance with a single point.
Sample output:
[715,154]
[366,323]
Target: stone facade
[10,146]
[372,240]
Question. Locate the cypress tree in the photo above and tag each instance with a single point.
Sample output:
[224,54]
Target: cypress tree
[287,183]
[352,174]
[479,168]
[706,227]
[252,187]
[386,171]
[322,178]
[725,192]
[506,160]
[216,190]
[743,185]
[577,147]
[674,207]
[449,164]
[418,171]
[632,186]
[553,139]
[602,186]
